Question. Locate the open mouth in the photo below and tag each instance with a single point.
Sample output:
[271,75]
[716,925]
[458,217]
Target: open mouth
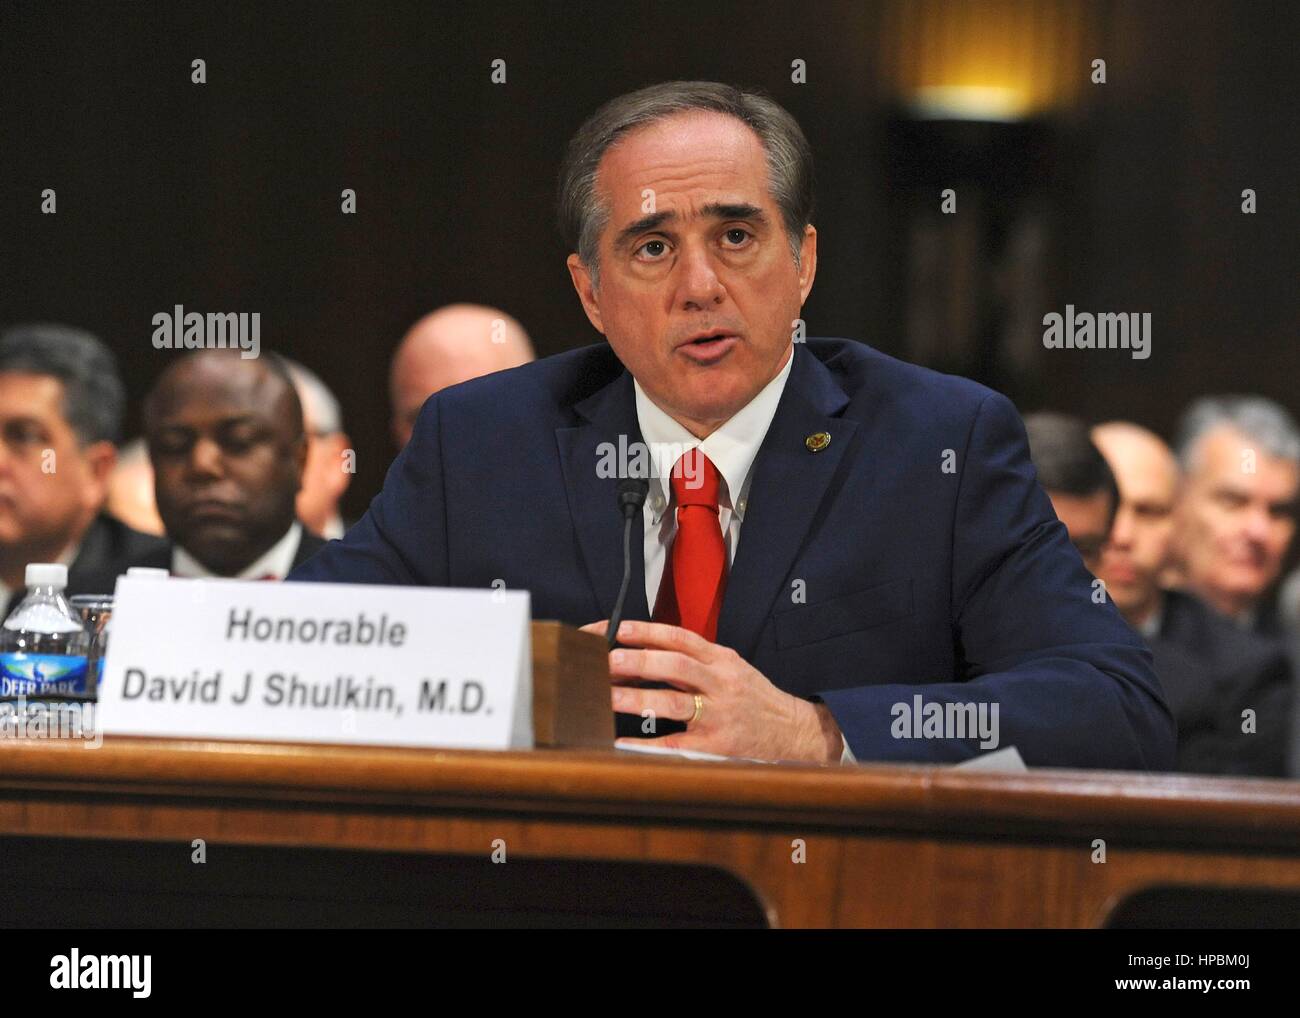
[709,346]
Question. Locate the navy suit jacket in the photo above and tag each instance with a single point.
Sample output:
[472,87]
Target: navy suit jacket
[915,554]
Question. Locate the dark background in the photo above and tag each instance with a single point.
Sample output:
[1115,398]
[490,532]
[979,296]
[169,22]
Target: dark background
[225,196]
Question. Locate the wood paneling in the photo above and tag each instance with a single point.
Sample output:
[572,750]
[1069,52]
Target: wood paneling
[882,846]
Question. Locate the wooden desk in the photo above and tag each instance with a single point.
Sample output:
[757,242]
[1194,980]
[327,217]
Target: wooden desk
[882,846]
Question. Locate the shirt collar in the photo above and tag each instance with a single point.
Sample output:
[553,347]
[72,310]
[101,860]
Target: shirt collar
[1152,624]
[731,448]
[70,553]
[276,561]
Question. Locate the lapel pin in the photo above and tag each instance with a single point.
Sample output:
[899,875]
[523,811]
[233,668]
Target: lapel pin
[817,442]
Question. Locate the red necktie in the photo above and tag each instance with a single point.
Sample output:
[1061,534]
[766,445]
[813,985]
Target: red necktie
[695,575]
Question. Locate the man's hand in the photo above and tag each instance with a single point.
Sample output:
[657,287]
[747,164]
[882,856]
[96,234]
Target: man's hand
[743,713]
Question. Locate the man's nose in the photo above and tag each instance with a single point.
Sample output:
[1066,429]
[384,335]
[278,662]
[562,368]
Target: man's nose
[1258,524]
[205,459]
[1121,531]
[699,285]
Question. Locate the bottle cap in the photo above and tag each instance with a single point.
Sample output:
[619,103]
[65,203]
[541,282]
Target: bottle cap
[47,574]
[148,573]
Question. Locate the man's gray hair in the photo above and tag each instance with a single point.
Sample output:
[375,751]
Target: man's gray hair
[1261,420]
[94,399]
[582,214]
[319,406]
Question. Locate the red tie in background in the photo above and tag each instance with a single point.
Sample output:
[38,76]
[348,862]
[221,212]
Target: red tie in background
[695,575]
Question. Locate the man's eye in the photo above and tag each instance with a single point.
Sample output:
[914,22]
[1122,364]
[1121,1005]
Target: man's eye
[171,444]
[24,435]
[737,236]
[653,248]
[238,443]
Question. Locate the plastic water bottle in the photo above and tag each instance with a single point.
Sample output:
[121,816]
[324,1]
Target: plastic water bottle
[43,645]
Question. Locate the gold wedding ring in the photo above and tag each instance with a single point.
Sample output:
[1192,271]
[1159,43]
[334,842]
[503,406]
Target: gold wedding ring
[699,709]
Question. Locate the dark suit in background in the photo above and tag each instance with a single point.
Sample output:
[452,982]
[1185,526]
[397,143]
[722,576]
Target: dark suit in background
[107,549]
[1273,622]
[1212,670]
[161,557]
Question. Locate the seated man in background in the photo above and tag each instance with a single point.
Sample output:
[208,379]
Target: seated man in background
[329,468]
[1076,478]
[1237,513]
[1212,672]
[448,346]
[226,439]
[61,405]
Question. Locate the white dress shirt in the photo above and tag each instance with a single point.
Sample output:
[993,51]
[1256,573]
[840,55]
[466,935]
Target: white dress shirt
[275,561]
[732,448]
[1150,626]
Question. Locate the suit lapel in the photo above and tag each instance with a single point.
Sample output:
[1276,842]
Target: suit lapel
[93,556]
[789,484]
[610,424]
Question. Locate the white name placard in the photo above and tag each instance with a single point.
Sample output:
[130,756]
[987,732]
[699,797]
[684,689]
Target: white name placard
[318,662]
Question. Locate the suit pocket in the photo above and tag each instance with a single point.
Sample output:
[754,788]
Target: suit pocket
[848,613]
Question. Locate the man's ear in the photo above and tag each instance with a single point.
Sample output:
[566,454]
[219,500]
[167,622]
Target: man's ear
[807,262]
[581,277]
[100,459]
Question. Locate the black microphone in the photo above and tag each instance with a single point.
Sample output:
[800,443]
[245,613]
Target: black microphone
[631,497]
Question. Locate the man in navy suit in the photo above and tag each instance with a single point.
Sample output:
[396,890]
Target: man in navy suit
[844,555]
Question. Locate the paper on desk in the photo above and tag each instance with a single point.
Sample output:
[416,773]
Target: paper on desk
[646,746]
[1006,760]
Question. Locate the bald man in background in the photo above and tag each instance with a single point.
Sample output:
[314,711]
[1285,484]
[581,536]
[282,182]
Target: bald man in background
[1212,671]
[448,346]
[325,478]
[1141,536]
[228,447]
